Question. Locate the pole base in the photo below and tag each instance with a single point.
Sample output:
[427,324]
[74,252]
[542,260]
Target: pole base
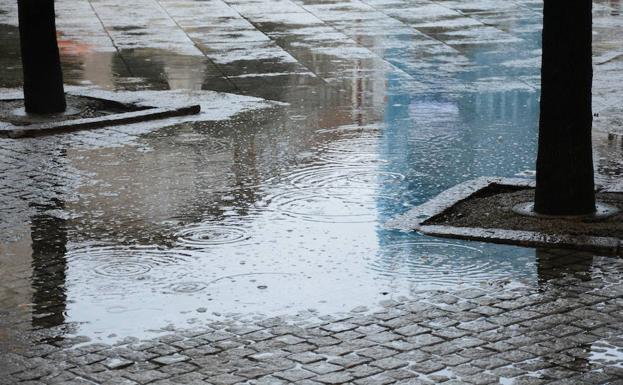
[602,211]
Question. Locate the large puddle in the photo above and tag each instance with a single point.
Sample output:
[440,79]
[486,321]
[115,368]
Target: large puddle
[280,210]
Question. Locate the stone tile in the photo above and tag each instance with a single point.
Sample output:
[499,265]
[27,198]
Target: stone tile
[293,375]
[334,378]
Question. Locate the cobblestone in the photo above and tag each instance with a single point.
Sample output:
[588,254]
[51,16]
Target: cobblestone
[556,360]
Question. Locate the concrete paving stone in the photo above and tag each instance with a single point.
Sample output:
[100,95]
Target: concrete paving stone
[359,343]
[499,346]
[370,329]
[508,372]
[401,374]
[336,350]
[33,373]
[117,363]
[442,349]
[171,359]
[254,372]
[453,360]
[146,376]
[399,322]
[189,378]
[426,367]
[349,360]
[400,345]
[377,352]
[216,336]
[259,335]
[294,374]
[388,315]
[534,365]
[389,363]
[480,379]
[466,370]
[489,363]
[412,330]
[348,335]
[225,379]
[440,321]
[363,370]
[334,378]
[377,379]
[306,357]
[339,327]
[478,326]
[528,380]
[201,350]
[322,367]
[476,352]
[178,368]
[423,340]
[450,333]
[382,337]
[132,355]
[324,341]
[298,348]
[416,381]
[268,380]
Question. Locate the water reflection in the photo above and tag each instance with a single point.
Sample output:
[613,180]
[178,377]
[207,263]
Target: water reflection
[560,276]
[49,268]
[280,210]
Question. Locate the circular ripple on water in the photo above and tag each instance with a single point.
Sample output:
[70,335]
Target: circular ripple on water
[332,176]
[438,263]
[123,269]
[352,151]
[187,287]
[121,262]
[330,205]
[211,235]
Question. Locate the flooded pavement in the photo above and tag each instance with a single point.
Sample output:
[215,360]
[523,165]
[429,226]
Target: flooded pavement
[331,118]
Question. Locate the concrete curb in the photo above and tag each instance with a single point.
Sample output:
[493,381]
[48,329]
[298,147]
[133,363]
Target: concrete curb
[415,219]
[145,113]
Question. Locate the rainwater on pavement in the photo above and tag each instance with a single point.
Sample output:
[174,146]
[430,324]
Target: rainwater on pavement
[274,208]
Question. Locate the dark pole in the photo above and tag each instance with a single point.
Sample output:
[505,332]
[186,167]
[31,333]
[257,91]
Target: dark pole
[43,79]
[564,179]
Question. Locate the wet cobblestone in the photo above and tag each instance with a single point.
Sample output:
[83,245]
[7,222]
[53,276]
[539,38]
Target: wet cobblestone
[575,338]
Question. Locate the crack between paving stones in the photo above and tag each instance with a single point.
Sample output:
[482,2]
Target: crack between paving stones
[196,46]
[112,41]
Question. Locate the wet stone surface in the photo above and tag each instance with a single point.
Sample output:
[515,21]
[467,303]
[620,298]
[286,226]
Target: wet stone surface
[78,107]
[565,330]
[232,246]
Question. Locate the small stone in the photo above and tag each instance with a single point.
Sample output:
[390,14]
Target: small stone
[172,359]
[117,363]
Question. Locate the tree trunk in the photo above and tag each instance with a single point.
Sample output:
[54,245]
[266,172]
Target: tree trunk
[43,79]
[564,173]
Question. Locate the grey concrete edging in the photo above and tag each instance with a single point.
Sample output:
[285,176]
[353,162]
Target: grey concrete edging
[414,220]
[98,122]
[148,111]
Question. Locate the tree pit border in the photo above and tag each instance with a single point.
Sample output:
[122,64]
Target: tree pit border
[136,114]
[415,219]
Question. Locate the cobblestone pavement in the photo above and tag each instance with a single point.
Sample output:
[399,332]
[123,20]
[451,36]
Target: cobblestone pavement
[107,236]
[567,330]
